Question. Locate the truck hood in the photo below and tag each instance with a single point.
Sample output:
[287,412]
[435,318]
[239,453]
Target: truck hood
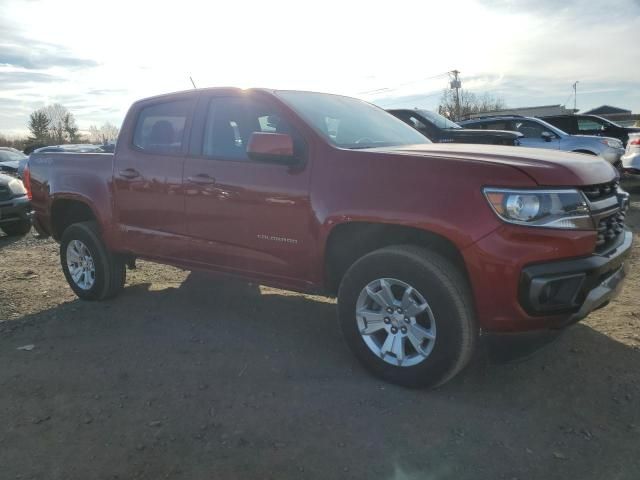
[545,167]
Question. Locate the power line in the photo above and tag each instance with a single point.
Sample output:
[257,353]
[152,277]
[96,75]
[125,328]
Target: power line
[412,101]
[390,89]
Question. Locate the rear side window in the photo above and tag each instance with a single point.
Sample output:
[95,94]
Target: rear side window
[495,125]
[589,125]
[160,127]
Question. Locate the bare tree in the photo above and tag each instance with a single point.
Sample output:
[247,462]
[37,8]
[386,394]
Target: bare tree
[106,133]
[56,114]
[70,128]
[469,103]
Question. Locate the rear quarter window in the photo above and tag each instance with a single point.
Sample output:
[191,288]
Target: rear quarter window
[160,127]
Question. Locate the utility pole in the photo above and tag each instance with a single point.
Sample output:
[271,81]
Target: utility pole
[575,95]
[456,84]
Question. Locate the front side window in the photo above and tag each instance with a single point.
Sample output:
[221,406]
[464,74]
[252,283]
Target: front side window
[230,123]
[417,123]
[160,127]
[531,129]
[439,120]
[350,123]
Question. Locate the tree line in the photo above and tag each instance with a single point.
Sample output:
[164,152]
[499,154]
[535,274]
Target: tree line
[470,103]
[56,125]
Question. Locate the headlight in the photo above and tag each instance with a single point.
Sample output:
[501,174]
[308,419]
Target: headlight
[612,142]
[541,208]
[17,188]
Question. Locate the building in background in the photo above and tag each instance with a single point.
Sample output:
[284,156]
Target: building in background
[618,115]
[540,111]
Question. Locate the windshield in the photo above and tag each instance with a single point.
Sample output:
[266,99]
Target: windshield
[438,120]
[351,123]
[9,156]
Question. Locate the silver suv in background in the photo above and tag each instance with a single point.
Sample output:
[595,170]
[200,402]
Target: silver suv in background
[540,134]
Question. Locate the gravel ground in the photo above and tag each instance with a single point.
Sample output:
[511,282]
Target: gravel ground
[189,377]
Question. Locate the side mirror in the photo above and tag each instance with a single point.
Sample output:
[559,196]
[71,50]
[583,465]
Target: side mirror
[271,147]
[547,136]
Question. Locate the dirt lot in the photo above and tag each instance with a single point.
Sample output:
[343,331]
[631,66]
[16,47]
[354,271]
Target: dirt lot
[188,377]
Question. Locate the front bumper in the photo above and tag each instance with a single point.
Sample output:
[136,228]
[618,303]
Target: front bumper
[631,162]
[18,209]
[574,288]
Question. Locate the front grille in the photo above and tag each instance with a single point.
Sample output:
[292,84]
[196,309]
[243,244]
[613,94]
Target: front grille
[608,230]
[600,192]
[609,208]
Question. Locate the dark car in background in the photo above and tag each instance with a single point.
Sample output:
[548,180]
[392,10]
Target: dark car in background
[440,129]
[12,161]
[15,206]
[591,125]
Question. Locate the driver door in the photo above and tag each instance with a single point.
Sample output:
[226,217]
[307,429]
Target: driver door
[243,215]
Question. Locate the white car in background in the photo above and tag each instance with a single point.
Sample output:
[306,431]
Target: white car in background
[631,158]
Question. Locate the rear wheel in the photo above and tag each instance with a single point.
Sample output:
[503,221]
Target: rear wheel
[92,271]
[407,315]
[17,228]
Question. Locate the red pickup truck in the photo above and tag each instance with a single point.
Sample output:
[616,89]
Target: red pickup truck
[425,245]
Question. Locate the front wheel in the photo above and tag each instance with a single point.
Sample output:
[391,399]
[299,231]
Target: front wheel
[92,271]
[407,314]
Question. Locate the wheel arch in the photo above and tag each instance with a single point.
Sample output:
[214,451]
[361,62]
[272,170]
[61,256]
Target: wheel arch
[582,150]
[349,241]
[66,211]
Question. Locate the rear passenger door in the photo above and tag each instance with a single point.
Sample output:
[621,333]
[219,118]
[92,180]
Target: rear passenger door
[147,177]
[244,215]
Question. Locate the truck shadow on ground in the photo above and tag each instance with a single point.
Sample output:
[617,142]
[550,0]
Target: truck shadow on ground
[220,379]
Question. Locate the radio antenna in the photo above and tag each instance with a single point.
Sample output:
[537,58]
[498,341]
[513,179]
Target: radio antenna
[192,82]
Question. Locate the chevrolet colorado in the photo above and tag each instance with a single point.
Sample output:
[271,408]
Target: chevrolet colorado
[425,245]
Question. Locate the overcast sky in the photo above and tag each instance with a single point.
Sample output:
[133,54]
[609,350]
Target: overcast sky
[97,57]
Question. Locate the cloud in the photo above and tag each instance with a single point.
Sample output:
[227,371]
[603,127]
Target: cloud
[19,50]
[18,79]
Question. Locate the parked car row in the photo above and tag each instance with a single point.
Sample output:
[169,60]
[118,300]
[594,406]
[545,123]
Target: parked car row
[537,133]
[588,134]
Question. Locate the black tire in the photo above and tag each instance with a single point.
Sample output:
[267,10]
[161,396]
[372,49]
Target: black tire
[110,271]
[17,228]
[446,290]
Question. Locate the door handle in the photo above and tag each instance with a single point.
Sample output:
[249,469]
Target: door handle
[129,173]
[202,179]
